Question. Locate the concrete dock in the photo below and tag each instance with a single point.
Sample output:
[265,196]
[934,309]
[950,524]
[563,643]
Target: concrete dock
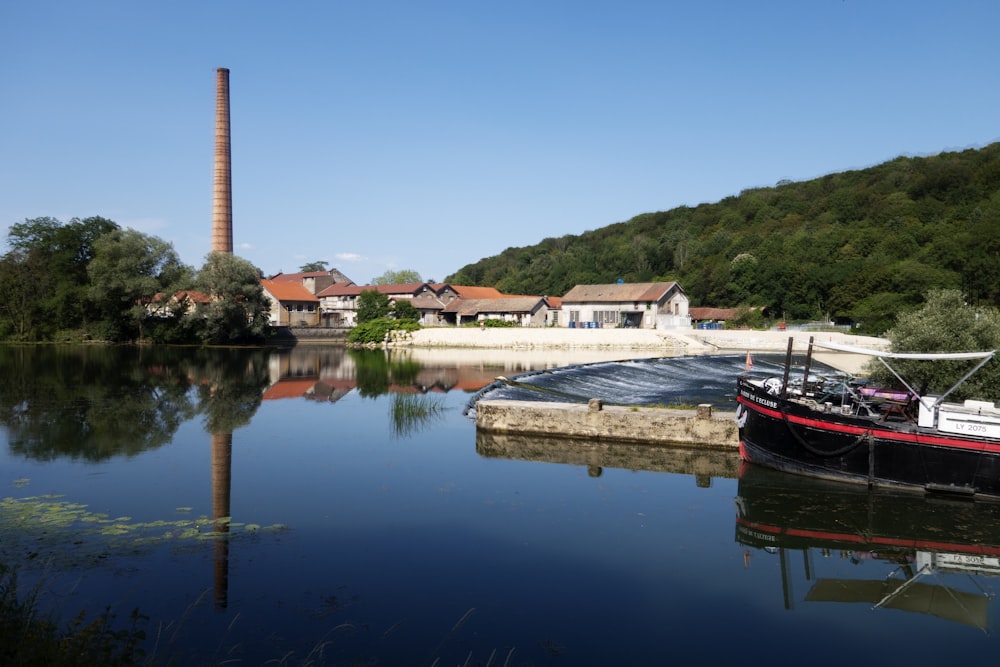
[703,427]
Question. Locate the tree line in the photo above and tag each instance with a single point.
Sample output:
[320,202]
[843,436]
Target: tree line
[90,279]
[858,247]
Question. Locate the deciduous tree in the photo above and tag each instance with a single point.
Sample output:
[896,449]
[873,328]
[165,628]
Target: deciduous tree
[313,266]
[372,305]
[401,277]
[238,311]
[946,323]
[57,254]
[128,270]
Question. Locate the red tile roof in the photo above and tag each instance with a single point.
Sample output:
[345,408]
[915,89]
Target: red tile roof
[350,289]
[288,291]
[512,305]
[472,292]
[297,277]
[195,297]
[713,313]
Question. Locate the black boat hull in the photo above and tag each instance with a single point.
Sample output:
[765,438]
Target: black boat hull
[792,436]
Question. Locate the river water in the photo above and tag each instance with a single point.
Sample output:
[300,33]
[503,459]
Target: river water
[324,506]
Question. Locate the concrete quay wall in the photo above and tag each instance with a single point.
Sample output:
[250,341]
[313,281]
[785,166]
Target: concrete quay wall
[703,427]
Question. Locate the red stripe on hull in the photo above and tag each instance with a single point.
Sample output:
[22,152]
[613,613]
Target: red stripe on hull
[879,432]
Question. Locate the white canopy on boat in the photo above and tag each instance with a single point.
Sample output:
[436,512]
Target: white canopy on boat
[926,356]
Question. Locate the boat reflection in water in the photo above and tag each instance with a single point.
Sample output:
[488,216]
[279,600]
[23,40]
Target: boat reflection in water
[886,550]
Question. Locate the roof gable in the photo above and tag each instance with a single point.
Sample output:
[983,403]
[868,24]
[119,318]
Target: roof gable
[468,307]
[620,292]
[350,289]
[298,277]
[469,291]
[341,289]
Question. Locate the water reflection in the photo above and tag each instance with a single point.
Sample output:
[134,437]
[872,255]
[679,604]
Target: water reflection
[95,403]
[908,552]
[701,463]
[380,550]
[328,373]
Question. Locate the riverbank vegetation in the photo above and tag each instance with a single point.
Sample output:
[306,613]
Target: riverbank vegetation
[378,316]
[90,280]
[945,323]
[857,247]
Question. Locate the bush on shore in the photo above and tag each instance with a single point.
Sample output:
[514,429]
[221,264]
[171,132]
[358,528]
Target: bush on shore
[374,332]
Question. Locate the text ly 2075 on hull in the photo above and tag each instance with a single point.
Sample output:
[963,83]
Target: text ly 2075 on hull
[920,442]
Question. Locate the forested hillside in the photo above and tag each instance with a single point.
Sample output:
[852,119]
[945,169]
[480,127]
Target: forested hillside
[858,246]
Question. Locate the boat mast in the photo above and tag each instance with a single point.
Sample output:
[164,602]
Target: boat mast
[805,375]
[788,364]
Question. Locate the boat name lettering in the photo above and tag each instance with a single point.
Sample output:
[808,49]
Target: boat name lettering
[759,400]
[756,534]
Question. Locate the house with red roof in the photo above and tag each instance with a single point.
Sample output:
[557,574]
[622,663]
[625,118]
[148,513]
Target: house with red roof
[524,311]
[291,303]
[180,302]
[339,302]
[328,298]
[314,281]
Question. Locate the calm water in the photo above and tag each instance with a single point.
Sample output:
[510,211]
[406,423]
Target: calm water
[371,524]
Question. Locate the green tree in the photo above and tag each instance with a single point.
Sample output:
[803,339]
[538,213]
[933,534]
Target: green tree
[127,271]
[237,311]
[401,277]
[57,256]
[402,309]
[313,266]
[372,305]
[915,223]
[23,280]
[945,323]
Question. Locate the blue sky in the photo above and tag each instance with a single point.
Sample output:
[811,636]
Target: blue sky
[426,135]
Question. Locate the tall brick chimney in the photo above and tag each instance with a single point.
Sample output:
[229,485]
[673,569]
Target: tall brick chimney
[222,209]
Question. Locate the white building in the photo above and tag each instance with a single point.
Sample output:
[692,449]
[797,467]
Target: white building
[634,305]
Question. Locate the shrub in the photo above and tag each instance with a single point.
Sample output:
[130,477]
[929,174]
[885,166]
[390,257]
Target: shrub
[491,322]
[375,331]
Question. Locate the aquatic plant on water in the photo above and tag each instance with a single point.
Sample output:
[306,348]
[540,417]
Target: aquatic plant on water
[61,533]
[409,413]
